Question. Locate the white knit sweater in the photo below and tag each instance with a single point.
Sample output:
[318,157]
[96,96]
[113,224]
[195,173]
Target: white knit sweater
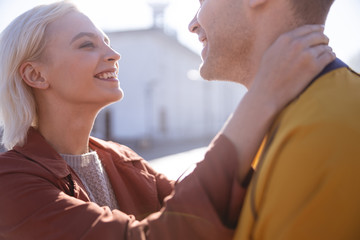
[93,176]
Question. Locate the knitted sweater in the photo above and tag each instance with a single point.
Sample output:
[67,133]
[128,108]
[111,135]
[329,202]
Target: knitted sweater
[93,176]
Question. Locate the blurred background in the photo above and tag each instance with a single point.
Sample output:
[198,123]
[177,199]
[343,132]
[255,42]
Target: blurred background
[168,109]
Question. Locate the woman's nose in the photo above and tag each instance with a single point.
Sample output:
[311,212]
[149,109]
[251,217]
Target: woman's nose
[112,55]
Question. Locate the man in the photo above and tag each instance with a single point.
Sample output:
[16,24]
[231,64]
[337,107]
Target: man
[306,184]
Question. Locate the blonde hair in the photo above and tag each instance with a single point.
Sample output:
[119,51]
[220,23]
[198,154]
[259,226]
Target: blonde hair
[23,40]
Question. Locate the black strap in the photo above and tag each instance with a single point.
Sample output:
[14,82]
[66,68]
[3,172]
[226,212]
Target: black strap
[72,185]
[245,183]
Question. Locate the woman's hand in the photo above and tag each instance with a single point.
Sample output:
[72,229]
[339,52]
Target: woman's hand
[290,63]
[287,67]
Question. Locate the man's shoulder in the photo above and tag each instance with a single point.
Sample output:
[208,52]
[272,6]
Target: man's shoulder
[319,131]
[334,97]
[325,116]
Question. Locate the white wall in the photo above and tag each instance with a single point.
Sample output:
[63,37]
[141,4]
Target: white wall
[355,62]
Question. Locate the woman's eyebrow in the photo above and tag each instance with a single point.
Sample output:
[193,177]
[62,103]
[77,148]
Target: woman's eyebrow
[82,34]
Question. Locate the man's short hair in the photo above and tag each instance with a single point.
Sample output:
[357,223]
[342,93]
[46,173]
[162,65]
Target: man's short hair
[311,11]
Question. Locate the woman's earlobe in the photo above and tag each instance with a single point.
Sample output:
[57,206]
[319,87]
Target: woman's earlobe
[32,76]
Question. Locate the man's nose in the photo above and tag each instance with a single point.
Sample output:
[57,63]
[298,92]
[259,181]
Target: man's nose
[193,25]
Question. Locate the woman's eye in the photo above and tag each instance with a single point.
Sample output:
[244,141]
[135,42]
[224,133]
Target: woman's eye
[87,45]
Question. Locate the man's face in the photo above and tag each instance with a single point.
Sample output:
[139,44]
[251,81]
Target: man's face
[224,28]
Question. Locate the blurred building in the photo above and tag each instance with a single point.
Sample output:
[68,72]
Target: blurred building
[165,99]
[2,149]
[355,62]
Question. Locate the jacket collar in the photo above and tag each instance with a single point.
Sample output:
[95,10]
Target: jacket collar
[40,151]
[113,149]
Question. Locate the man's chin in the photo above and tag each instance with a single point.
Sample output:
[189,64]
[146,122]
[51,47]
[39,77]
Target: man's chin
[211,74]
[206,72]
[218,72]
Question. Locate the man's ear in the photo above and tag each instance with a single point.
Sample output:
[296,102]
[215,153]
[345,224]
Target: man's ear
[256,3]
[32,76]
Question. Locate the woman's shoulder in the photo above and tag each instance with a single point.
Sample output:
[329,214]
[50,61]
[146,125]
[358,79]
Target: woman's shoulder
[12,159]
[13,162]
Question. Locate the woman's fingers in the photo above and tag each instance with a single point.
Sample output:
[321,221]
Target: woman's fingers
[304,30]
[315,58]
[324,55]
[312,51]
[313,39]
[295,42]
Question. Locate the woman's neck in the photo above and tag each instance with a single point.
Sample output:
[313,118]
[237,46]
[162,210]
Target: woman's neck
[67,130]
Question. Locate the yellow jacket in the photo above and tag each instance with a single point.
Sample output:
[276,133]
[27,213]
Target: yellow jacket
[307,181]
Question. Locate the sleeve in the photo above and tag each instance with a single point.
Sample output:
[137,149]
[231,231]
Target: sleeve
[205,205]
[313,189]
[164,186]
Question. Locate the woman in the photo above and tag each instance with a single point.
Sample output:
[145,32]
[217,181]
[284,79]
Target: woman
[57,72]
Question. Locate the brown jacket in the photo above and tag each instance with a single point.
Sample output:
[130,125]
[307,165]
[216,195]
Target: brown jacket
[42,198]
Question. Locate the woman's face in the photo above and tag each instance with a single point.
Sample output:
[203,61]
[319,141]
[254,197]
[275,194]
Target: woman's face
[79,63]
